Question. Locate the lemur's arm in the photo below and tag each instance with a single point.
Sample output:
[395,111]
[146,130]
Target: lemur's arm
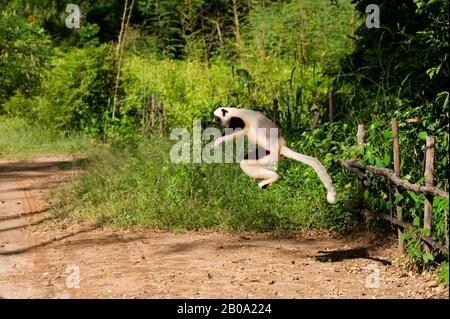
[229,137]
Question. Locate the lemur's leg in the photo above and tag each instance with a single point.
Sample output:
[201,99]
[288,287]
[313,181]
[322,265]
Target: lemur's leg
[264,174]
[272,177]
[260,168]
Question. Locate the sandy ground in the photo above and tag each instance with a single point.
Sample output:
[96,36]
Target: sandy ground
[38,260]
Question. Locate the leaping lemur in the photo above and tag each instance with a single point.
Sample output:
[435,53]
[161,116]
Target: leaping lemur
[263,133]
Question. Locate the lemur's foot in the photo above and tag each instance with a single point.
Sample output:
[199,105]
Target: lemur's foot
[331,197]
[263,185]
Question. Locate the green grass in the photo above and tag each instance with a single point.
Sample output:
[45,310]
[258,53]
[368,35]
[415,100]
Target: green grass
[20,140]
[135,185]
[132,183]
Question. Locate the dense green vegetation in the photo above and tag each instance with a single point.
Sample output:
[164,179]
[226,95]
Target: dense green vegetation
[198,55]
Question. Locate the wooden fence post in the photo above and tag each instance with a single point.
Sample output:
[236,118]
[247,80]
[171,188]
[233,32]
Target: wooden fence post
[331,105]
[275,111]
[315,122]
[152,111]
[147,111]
[361,134]
[429,172]
[396,157]
[161,117]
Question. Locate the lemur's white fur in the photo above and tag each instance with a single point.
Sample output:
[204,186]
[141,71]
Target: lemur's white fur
[256,127]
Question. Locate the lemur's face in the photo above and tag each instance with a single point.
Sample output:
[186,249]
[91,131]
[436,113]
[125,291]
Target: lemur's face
[222,117]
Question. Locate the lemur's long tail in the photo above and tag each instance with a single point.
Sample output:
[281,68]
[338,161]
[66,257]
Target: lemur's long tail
[317,166]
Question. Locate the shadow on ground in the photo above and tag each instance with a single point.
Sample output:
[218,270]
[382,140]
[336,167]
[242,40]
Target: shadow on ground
[343,254]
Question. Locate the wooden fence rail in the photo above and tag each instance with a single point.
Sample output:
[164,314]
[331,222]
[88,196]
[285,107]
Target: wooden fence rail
[427,239]
[429,190]
[357,167]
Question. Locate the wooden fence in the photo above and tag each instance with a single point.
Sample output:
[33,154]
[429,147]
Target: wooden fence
[152,109]
[429,190]
[155,108]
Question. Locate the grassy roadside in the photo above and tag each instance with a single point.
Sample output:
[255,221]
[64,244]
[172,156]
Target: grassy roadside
[134,184]
[21,141]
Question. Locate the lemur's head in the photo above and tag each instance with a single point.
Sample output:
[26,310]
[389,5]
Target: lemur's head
[222,116]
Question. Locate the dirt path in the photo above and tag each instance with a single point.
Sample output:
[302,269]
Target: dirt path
[41,261]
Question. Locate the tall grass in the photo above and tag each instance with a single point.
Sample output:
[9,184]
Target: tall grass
[136,185]
[20,140]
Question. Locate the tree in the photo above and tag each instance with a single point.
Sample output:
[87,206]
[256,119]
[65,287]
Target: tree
[24,52]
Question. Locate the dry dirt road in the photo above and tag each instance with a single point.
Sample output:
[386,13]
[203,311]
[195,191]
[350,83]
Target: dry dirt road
[38,260]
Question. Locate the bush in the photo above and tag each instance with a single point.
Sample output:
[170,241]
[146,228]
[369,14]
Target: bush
[24,52]
[77,91]
[192,90]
